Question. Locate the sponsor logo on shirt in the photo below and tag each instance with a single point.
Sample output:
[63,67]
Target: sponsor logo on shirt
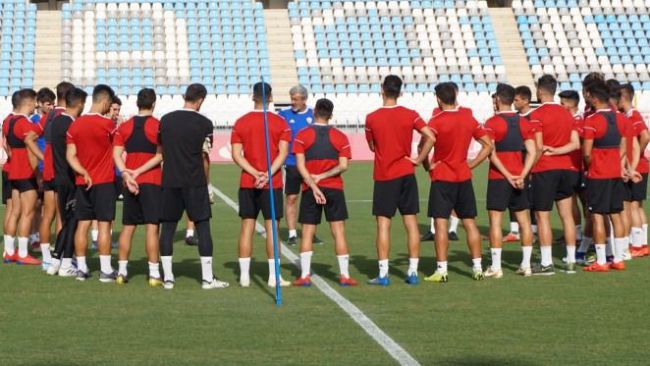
[309,120]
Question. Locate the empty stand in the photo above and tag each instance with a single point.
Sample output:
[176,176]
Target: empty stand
[17,44]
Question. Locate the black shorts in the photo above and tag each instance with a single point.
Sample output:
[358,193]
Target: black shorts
[400,194]
[627,191]
[143,208]
[48,185]
[96,203]
[582,182]
[639,190]
[501,196]
[605,196]
[335,208]
[292,180]
[194,200]
[252,201]
[24,185]
[447,196]
[6,188]
[553,185]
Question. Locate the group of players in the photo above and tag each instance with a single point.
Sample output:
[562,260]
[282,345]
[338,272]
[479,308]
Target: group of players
[552,154]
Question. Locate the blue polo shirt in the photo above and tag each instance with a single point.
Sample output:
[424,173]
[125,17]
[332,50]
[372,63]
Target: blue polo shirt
[297,121]
[36,119]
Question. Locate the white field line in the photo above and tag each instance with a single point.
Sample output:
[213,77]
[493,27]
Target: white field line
[377,334]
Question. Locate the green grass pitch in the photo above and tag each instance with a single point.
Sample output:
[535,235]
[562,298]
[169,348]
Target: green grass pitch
[578,319]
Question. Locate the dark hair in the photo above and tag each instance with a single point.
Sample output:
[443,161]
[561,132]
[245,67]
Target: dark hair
[262,89]
[547,83]
[454,85]
[62,89]
[195,92]
[24,94]
[599,91]
[524,92]
[117,100]
[324,108]
[45,95]
[570,95]
[591,78]
[505,93]
[392,86]
[446,93]
[74,96]
[614,87]
[146,98]
[102,91]
[628,89]
[14,99]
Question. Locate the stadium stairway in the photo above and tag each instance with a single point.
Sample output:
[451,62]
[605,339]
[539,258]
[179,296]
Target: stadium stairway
[283,64]
[48,49]
[510,45]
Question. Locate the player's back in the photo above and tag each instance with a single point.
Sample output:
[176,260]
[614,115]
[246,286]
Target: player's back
[556,125]
[91,134]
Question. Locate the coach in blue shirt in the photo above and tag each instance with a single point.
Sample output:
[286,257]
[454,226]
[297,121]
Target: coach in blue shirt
[299,116]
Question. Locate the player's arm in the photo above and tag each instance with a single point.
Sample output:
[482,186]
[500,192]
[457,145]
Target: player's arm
[425,146]
[309,180]
[283,152]
[486,149]
[498,164]
[587,149]
[572,145]
[127,175]
[339,169]
[75,164]
[369,137]
[240,160]
[30,143]
[6,147]
[636,153]
[532,155]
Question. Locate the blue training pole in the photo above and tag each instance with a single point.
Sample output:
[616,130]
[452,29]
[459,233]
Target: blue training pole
[276,247]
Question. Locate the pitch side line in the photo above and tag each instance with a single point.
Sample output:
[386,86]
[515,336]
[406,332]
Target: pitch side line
[384,340]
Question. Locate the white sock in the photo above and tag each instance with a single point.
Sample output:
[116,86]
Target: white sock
[166,261]
[571,253]
[383,268]
[105,264]
[496,258]
[441,267]
[453,224]
[305,264]
[293,233]
[636,235]
[601,257]
[189,232]
[476,264]
[344,264]
[433,227]
[154,270]
[22,247]
[527,252]
[10,244]
[55,263]
[578,232]
[81,264]
[413,266]
[122,267]
[45,251]
[585,243]
[514,227]
[644,234]
[620,245]
[67,262]
[272,269]
[94,234]
[534,228]
[206,269]
[244,267]
[547,255]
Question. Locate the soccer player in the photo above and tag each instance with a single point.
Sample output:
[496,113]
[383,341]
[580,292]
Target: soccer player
[249,153]
[12,211]
[322,154]
[451,177]
[298,116]
[389,132]
[138,137]
[64,179]
[554,176]
[511,134]
[22,151]
[604,153]
[639,231]
[90,154]
[184,185]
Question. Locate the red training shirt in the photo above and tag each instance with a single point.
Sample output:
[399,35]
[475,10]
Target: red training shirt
[20,167]
[306,138]
[497,128]
[249,131]
[578,126]
[454,130]
[92,134]
[605,163]
[556,125]
[390,130]
[639,126]
[7,164]
[135,160]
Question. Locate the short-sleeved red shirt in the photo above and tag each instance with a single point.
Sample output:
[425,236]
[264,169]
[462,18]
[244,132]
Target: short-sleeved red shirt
[48,157]
[639,126]
[339,141]
[605,163]
[556,125]
[92,134]
[20,167]
[135,160]
[454,130]
[497,129]
[390,129]
[7,164]
[578,126]
[249,131]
